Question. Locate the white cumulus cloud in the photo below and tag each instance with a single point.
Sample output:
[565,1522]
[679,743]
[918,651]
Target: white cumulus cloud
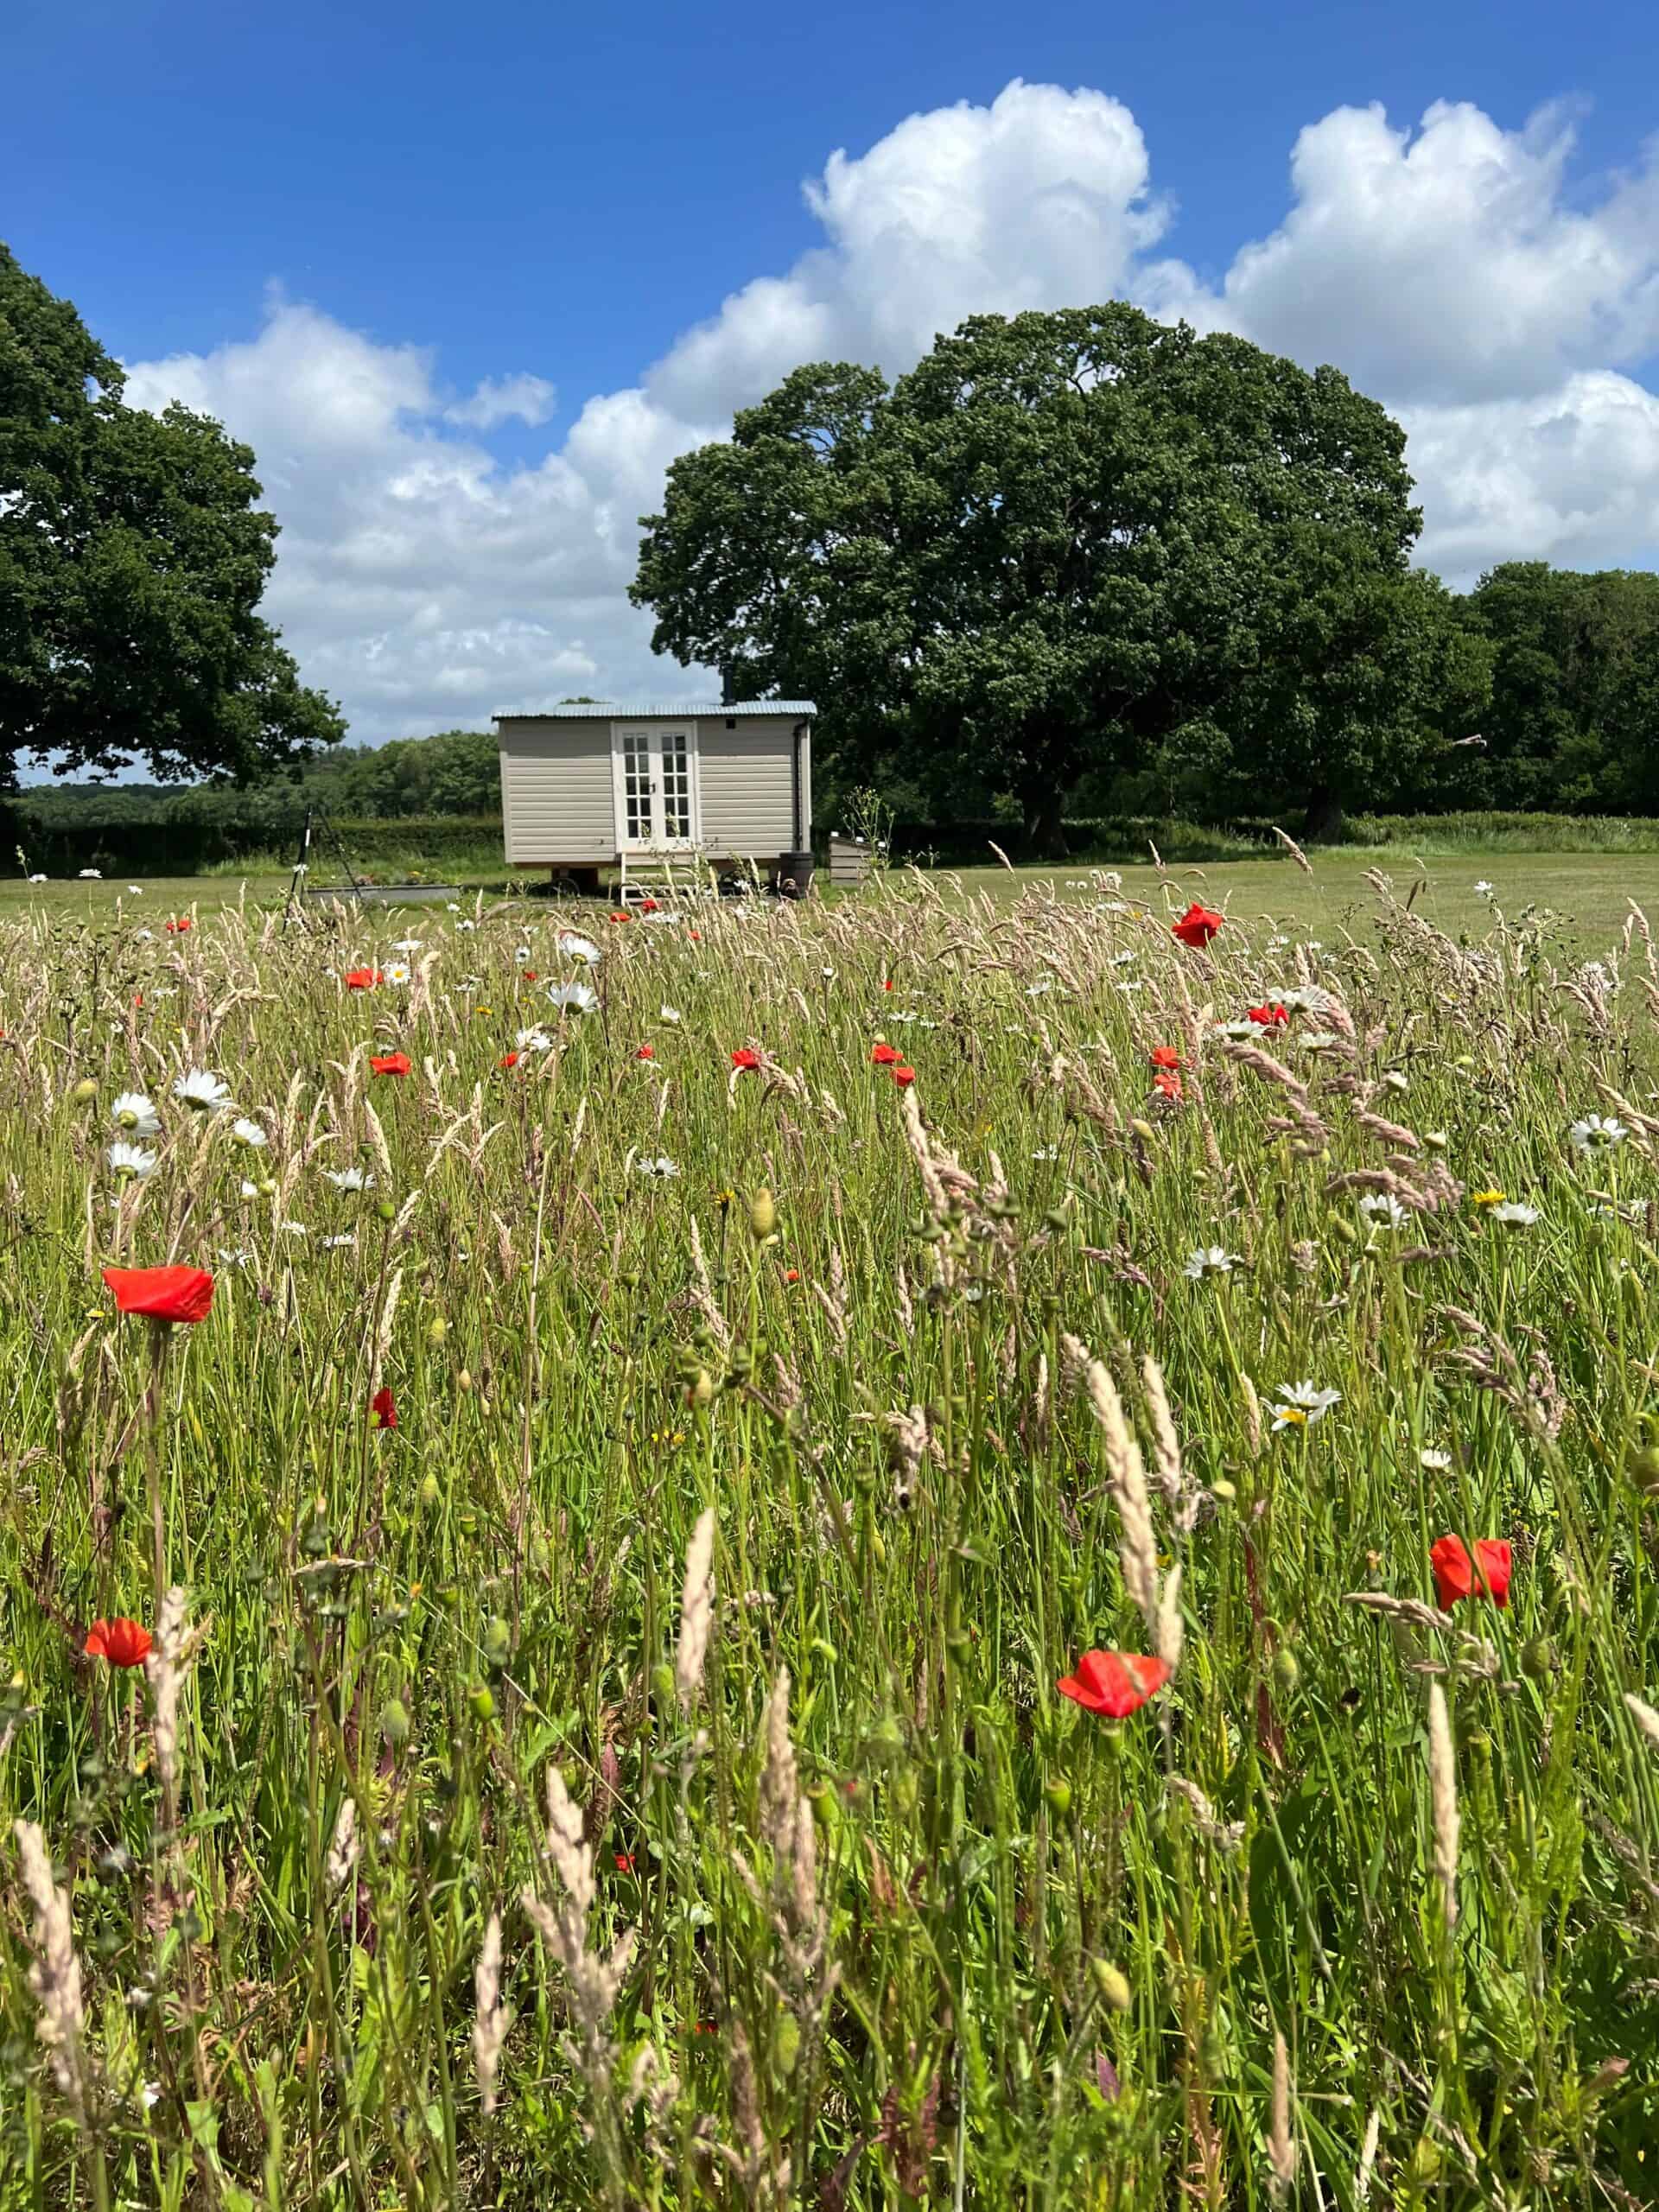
[1460,272]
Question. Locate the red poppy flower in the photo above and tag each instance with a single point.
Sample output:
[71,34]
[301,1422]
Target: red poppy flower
[649,906]
[887,986]
[1167,1083]
[1270,1017]
[792,1275]
[695,936]
[1456,1576]
[621,915]
[362,979]
[1197,925]
[164,1293]
[1164,1055]
[178,928]
[1114,1682]
[509,1059]
[645,1053]
[904,1078]
[384,1407]
[623,1861]
[390,1063]
[746,1059]
[137,998]
[530,976]
[123,1642]
[886,1056]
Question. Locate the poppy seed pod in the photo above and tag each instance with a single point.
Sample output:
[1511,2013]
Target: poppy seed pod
[463,1381]
[481,1699]
[1113,1984]
[763,1215]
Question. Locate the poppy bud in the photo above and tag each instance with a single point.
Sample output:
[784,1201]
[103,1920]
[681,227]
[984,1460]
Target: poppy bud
[785,2043]
[394,1722]
[662,1685]
[1342,1227]
[386,1210]
[1285,1672]
[821,1799]
[436,1330]
[763,1215]
[1057,1790]
[702,1392]
[1224,1492]
[1144,1130]
[1538,1659]
[429,1491]
[1113,1984]
[85,1092]
[481,1699]
[463,1381]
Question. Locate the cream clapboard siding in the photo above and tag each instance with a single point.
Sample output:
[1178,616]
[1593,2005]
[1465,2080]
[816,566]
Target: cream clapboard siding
[556,801]
[747,809]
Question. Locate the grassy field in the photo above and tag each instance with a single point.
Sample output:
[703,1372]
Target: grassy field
[886,1557]
[1585,897]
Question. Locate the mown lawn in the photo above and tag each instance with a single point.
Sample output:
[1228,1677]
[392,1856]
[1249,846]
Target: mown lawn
[1587,895]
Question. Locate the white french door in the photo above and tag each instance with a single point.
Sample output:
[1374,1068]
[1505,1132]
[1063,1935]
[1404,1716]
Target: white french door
[654,772]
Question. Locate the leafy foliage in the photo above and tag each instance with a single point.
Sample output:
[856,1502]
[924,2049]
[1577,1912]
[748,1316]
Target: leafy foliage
[1066,544]
[132,559]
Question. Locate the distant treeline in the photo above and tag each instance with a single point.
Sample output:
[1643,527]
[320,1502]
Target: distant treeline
[1571,728]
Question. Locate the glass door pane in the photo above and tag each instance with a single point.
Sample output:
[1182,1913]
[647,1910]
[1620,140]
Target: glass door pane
[675,787]
[636,786]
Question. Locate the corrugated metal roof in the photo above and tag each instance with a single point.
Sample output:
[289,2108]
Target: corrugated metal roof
[639,710]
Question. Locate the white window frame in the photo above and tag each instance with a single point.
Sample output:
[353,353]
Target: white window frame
[654,732]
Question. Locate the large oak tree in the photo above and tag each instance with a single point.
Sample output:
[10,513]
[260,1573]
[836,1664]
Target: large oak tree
[1066,544]
[132,558]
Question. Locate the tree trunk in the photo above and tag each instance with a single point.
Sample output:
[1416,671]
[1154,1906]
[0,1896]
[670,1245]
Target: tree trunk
[1045,826]
[1325,816]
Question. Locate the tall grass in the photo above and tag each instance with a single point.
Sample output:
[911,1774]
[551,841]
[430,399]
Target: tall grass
[639,1777]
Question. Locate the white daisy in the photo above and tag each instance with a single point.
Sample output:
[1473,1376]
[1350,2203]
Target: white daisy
[135,890]
[349,1178]
[1301,1404]
[469,926]
[1595,1131]
[670,1014]
[522,953]
[1383,1206]
[662,1166]
[407,944]
[1122,959]
[397,973]
[1209,1259]
[1238,1030]
[575,998]
[91,875]
[130,1161]
[296,1229]
[232,1256]
[144,936]
[202,1092]
[333,1243]
[133,1112]
[37,879]
[1514,1215]
[250,1190]
[1436,1463]
[532,1040]
[250,1133]
[1047,1152]
[1484,890]
[578,948]
[1039,990]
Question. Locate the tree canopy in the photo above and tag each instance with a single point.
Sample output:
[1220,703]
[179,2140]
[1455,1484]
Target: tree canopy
[1069,544]
[132,560]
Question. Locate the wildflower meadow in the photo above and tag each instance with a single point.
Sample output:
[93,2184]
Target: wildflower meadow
[873,1555]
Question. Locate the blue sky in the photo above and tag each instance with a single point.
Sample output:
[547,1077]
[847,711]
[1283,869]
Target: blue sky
[334,225]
